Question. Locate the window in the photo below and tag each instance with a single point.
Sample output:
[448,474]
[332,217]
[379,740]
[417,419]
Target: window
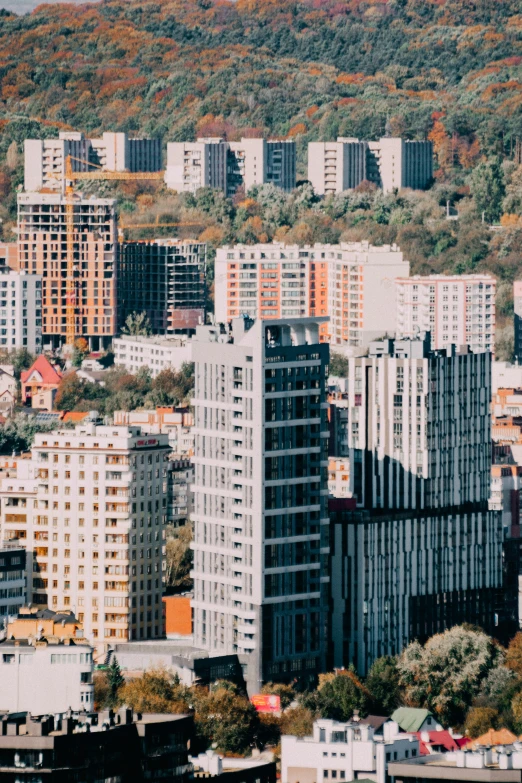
[8,658]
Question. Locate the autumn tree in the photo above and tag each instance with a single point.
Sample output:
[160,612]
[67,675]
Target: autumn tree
[226,719]
[157,690]
[338,694]
[178,558]
[298,721]
[446,673]
[285,692]
[514,654]
[479,720]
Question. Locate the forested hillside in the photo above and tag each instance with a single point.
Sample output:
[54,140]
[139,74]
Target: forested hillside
[309,69]
[447,70]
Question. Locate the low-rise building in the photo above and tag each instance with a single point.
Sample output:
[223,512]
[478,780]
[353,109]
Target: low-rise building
[344,752]
[40,384]
[505,376]
[43,668]
[154,353]
[494,765]
[8,387]
[90,747]
[414,719]
[224,769]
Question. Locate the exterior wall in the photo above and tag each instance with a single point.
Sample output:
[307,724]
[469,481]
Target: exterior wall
[90,508]
[352,283]
[133,353]
[457,310]
[344,751]
[13,580]
[178,616]
[46,679]
[336,166]
[257,483]
[45,158]
[42,248]
[399,577]
[390,163]
[227,166]
[419,429]
[20,311]
[166,280]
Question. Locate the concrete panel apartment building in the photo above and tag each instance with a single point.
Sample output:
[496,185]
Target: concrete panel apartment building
[230,165]
[455,309]
[165,278]
[45,158]
[390,163]
[423,552]
[90,508]
[260,495]
[351,283]
[42,250]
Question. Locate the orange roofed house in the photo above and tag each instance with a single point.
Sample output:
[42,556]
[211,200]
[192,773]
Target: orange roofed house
[40,383]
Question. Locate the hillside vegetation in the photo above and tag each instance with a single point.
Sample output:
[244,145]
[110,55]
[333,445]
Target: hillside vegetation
[447,70]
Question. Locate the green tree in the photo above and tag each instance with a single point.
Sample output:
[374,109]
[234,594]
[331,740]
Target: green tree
[488,189]
[115,680]
[137,324]
[70,392]
[383,684]
[447,672]
[338,365]
[338,695]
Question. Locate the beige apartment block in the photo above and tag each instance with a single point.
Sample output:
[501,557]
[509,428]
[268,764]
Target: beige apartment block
[90,508]
[351,283]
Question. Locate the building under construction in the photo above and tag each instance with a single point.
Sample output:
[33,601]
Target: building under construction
[165,278]
[42,250]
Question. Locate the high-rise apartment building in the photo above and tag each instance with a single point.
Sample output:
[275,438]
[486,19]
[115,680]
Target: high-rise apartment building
[42,250]
[90,508]
[424,551]
[390,163]
[260,497]
[45,158]
[165,278]
[455,309]
[20,310]
[352,283]
[230,165]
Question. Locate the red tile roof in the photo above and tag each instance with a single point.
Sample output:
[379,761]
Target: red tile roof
[437,742]
[45,369]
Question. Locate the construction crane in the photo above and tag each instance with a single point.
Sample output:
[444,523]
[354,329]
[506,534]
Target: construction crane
[69,178]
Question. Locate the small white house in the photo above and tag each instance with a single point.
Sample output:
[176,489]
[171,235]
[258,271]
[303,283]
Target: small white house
[44,678]
[338,752]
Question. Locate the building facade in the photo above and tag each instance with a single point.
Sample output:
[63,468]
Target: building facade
[20,311]
[351,283]
[425,551]
[390,163]
[13,580]
[455,309]
[42,250]
[44,676]
[517,303]
[90,746]
[230,165]
[260,495]
[344,751]
[164,278]
[45,158]
[90,509]
[156,353]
